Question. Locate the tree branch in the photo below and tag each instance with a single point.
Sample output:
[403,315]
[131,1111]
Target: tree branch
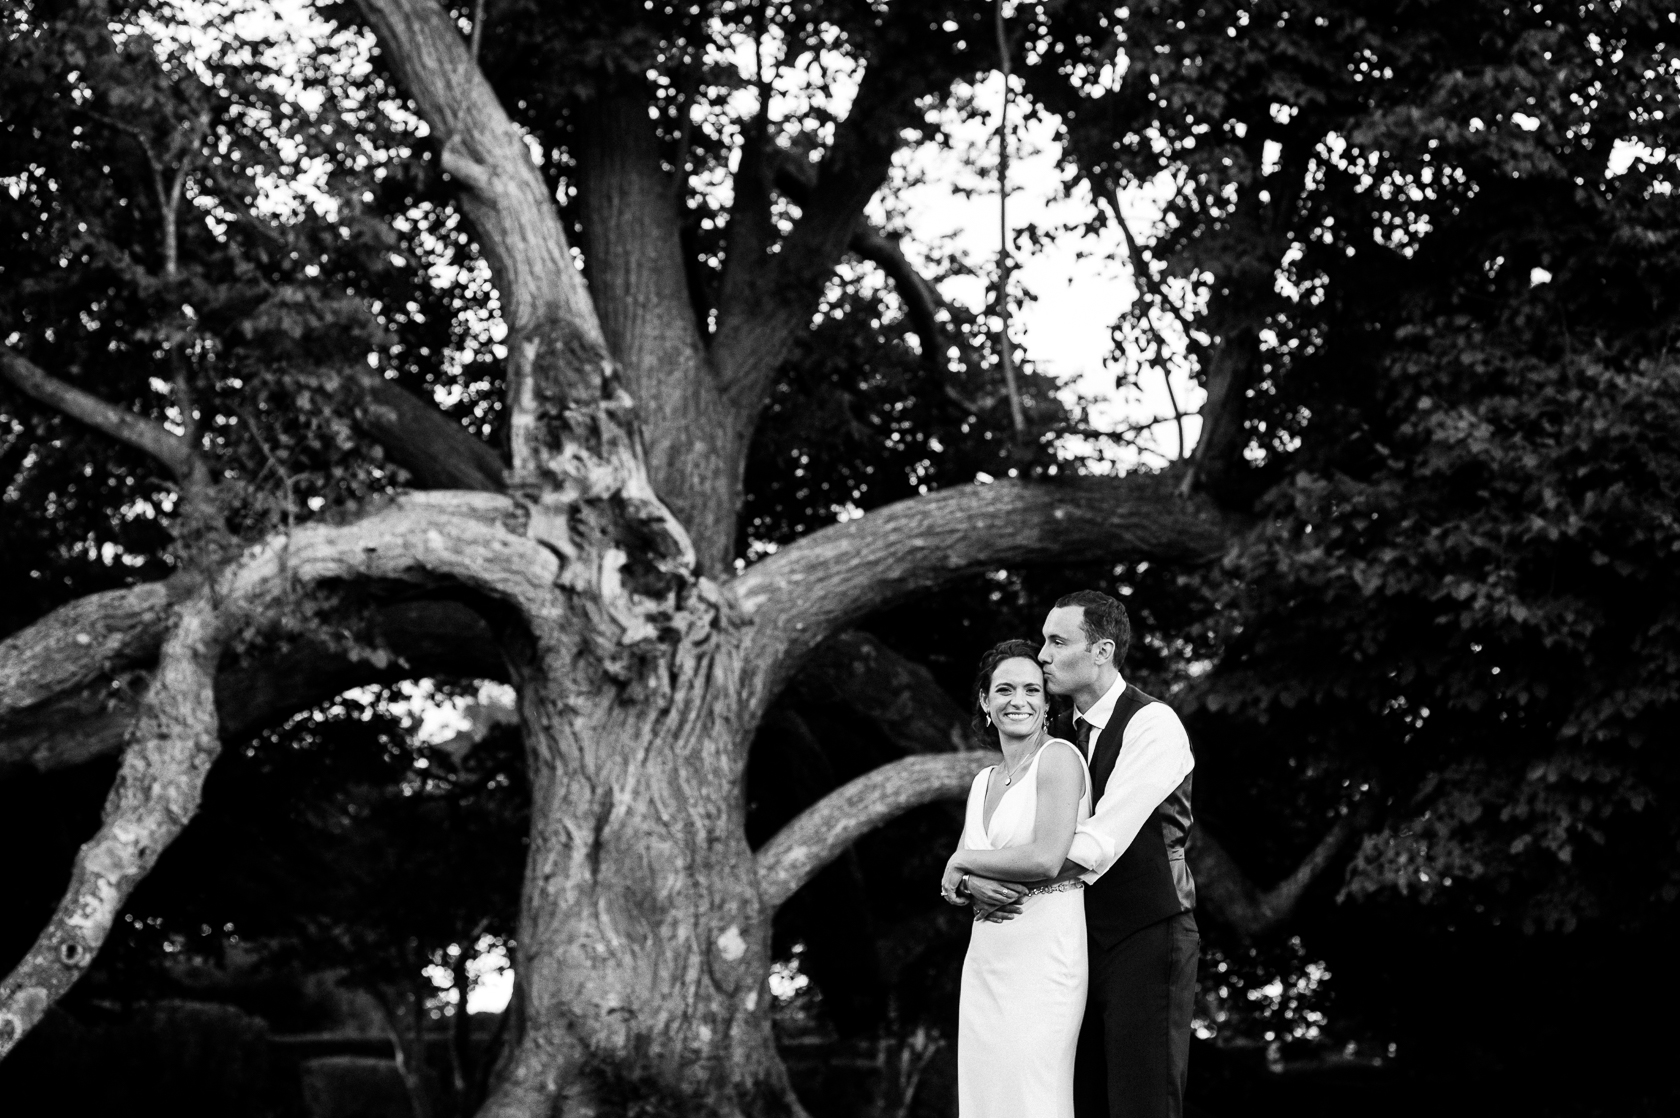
[87,640]
[556,350]
[575,446]
[824,581]
[443,639]
[771,297]
[1146,281]
[1227,892]
[437,452]
[157,791]
[641,286]
[70,682]
[900,696]
[823,831]
[635,243]
[922,300]
[455,537]
[67,680]
[1006,349]
[795,176]
[1217,458]
[134,431]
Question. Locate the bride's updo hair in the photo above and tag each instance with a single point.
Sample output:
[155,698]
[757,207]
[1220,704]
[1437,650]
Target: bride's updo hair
[1008,650]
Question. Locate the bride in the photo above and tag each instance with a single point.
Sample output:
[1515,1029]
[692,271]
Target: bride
[1023,982]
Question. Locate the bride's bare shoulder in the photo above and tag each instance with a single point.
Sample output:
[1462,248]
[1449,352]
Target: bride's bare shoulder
[1069,758]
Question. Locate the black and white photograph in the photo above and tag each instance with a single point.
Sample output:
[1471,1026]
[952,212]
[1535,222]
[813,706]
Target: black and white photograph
[839,558]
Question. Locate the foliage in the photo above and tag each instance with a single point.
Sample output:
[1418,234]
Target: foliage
[1452,227]
[201,219]
[1436,243]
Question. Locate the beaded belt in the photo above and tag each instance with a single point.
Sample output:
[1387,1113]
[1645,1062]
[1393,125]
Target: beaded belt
[1040,890]
[1056,887]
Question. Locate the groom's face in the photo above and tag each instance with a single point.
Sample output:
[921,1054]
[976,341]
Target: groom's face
[1070,659]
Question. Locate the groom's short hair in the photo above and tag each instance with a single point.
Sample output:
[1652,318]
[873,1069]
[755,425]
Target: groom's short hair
[1104,620]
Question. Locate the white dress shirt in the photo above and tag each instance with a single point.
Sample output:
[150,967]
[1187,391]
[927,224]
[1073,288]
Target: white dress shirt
[1154,759]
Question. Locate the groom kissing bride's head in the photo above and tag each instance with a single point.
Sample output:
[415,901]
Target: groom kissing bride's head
[1086,637]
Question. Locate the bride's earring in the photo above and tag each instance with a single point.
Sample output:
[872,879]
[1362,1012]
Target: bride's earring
[988,720]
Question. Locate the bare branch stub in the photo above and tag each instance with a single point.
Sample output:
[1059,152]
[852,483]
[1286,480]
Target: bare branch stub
[137,432]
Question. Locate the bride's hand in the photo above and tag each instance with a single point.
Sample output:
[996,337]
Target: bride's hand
[948,886]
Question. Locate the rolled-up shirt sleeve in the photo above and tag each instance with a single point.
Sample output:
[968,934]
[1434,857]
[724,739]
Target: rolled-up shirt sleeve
[1154,759]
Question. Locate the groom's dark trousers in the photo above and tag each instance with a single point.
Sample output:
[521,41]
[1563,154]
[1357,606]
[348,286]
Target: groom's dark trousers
[1134,1046]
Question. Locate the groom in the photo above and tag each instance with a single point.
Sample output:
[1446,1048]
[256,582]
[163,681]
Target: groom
[1134,1046]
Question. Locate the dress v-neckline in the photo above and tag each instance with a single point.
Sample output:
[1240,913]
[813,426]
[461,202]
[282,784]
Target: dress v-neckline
[985,820]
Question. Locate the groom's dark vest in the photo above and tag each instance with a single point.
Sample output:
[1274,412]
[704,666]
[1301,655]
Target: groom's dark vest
[1150,881]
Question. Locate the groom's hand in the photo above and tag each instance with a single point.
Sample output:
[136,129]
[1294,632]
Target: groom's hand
[997,900]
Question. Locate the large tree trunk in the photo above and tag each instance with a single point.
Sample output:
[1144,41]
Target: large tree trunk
[643,943]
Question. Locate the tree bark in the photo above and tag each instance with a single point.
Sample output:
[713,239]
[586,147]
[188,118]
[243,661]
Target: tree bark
[157,791]
[696,445]
[794,176]
[86,640]
[644,946]
[437,452]
[1233,898]
[1218,460]
[567,417]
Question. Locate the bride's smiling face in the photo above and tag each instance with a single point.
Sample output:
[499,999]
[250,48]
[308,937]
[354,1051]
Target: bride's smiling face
[1015,699]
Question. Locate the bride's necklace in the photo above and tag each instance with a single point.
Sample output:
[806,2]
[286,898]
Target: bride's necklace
[1009,777]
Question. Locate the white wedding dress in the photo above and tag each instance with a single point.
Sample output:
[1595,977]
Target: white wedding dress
[1023,981]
